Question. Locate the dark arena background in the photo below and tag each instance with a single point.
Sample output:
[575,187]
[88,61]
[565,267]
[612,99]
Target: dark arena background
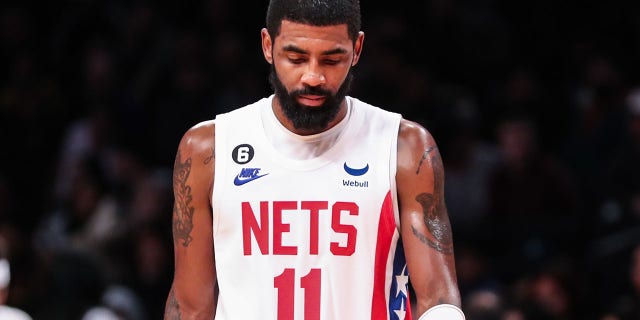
[535,105]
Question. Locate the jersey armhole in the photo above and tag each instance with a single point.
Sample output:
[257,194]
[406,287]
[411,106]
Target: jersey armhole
[219,169]
[393,168]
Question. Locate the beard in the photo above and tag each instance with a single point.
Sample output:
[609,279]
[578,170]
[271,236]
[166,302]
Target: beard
[304,117]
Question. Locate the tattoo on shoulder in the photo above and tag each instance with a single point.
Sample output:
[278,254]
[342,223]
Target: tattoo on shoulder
[426,155]
[183,209]
[208,159]
[172,309]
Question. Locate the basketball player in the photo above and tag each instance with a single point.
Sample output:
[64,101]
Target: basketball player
[305,204]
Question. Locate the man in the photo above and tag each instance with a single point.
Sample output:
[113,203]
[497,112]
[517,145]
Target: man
[7,312]
[312,198]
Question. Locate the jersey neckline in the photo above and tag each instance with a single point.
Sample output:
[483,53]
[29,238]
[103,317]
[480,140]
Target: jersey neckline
[277,133]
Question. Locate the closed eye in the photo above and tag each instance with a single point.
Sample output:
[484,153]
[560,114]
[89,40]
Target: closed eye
[297,60]
[331,62]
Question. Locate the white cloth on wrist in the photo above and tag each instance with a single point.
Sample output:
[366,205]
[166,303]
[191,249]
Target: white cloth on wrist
[443,312]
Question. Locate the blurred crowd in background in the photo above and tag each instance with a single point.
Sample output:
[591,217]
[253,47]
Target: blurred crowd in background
[535,106]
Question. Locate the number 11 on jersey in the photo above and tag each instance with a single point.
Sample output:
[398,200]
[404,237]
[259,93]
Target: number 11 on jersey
[310,285]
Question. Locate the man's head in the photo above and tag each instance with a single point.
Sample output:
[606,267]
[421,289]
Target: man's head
[315,13]
[312,46]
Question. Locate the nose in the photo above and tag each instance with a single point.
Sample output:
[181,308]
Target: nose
[313,76]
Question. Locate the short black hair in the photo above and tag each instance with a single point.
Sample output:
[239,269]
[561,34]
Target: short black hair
[315,13]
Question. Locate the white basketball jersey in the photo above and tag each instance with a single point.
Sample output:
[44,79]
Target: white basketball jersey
[308,239]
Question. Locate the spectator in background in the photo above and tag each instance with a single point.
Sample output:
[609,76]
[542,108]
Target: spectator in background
[482,293]
[595,133]
[616,225]
[7,312]
[626,305]
[117,303]
[470,162]
[88,218]
[484,304]
[151,271]
[73,285]
[85,137]
[623,175]
[533,200]
[548,297]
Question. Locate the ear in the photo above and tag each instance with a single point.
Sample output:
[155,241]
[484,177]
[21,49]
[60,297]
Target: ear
[357,48]
[267,45]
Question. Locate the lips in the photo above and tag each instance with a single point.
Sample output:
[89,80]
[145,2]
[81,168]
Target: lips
[311,100]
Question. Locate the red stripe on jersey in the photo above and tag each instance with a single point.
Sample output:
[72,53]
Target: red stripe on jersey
[408,315]
[386,228]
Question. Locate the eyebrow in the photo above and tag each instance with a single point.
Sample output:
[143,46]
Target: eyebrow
[295,49]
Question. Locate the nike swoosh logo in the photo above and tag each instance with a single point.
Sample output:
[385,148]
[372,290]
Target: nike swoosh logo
[354,171]
[238,181]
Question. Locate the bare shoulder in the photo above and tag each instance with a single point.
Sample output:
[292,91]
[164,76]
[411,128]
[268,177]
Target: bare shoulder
[413,141]
[195,157]
[199,139]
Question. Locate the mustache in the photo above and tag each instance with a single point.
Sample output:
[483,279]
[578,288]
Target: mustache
[315,91]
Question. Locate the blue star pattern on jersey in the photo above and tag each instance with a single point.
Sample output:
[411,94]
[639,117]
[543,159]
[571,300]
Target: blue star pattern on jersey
[399,295]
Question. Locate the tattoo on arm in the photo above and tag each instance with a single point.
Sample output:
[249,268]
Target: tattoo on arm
[437,224]
[211,157]
[425,155]
[182,209]
[172,309]
[434,209]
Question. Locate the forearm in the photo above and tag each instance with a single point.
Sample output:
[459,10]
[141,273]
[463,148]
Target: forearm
[436,290]
[426,301]
[188,308]
[430,260]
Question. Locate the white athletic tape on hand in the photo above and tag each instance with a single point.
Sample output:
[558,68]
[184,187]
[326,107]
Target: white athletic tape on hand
[443,312]
[5,273]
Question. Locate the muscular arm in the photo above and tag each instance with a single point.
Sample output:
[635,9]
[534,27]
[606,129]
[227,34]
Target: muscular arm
[424,221]
[193,294]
